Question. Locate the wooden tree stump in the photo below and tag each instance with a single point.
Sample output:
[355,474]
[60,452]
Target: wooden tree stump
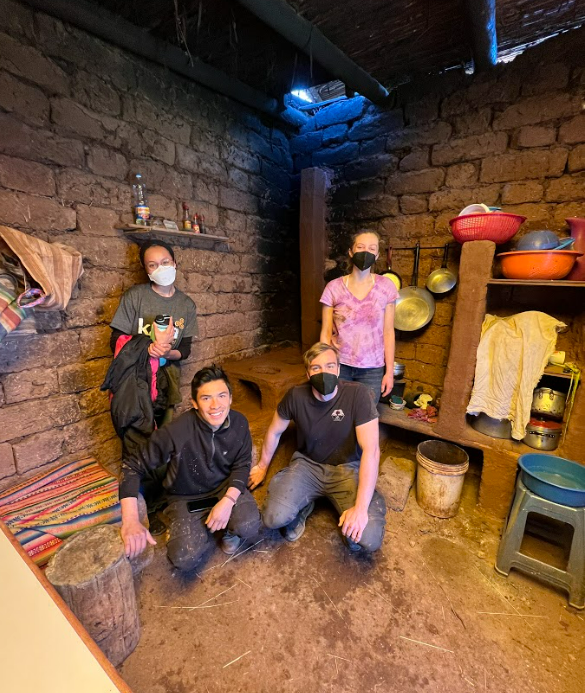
[94,577]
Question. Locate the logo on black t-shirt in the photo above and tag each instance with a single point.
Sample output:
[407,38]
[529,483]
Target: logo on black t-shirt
[337,415]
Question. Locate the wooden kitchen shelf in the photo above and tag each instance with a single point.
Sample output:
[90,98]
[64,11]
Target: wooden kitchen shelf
[402,420]
[556,372]
[468,438]
[534,282]
[206,241]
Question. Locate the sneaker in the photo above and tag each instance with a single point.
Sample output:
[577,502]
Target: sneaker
[353,546]
[155,525]
[296,529]
[230,543]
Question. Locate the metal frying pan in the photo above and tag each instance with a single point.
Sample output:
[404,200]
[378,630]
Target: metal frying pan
[442,280]
[390,273]
[414,307]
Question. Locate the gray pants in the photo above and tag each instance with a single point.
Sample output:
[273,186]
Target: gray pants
[189,537]
[304,480]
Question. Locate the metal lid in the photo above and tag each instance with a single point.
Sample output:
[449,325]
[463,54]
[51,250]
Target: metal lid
[548,390]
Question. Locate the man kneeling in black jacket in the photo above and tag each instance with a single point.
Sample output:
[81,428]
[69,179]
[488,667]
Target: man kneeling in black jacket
[208,450]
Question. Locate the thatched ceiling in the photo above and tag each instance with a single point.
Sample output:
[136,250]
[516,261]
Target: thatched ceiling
[392,40]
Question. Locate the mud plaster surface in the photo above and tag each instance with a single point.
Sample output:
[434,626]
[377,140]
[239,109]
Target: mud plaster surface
[311,617]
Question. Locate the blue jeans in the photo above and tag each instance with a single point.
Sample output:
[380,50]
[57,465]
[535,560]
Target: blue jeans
[371,377]
[303,481]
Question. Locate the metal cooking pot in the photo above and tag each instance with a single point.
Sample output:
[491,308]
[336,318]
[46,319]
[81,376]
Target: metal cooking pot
[399,369]
[549,402]
[543,435]
[442,280]
[496,428]
[415,307]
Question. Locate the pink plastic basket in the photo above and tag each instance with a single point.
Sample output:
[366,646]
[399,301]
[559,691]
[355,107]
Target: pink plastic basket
[498,227]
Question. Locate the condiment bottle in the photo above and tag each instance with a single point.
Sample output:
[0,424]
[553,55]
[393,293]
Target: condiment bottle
[186,218]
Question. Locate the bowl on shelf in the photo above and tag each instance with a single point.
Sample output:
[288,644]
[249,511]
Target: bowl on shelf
[538,240]
[538,264]
[397,403]
[498,227]
[479,208]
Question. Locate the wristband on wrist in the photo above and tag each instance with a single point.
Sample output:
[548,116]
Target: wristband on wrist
[230,498]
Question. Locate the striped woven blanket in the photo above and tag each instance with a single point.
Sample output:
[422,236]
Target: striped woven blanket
[47,509]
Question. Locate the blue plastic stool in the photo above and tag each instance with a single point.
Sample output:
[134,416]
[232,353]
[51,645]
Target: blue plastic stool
[573,578]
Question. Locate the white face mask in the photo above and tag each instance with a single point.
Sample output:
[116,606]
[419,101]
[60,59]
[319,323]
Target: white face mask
[163,276]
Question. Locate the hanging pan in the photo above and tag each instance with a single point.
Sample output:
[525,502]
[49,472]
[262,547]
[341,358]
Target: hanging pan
[390,273]
[442,280]
[414,307]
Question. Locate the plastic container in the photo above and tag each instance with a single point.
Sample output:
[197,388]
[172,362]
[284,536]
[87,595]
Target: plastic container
[538,264]
[577,226]
[498,227]
[538,240]
[440,475]
[478,208]
[141,207]
[554,478]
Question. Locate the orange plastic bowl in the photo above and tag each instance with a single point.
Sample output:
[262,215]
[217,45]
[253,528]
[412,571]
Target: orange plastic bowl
[538,264]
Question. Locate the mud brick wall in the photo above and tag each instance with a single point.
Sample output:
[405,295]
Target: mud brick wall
[512,137]
[77,117]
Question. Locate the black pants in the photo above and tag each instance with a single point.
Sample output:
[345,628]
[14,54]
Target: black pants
[189,537]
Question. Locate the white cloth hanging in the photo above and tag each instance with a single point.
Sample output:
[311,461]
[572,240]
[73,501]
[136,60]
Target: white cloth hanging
[511,358]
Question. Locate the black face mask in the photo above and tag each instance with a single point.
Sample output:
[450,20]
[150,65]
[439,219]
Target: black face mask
[324,383]
[363,260]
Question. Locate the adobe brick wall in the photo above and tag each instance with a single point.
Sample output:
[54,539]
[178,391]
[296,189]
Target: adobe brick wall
[514,137]
[77,116]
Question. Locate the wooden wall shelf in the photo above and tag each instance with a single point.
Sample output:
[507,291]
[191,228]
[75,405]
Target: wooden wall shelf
[400,419]
[206,241]
[535,282]
[556,372]
[468,437]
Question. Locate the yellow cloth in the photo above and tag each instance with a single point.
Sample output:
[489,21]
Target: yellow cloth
[511,357]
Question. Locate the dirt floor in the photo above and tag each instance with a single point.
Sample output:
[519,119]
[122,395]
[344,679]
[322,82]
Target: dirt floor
[426,613]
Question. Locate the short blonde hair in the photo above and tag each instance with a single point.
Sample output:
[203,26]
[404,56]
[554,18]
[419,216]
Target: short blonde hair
[320,347]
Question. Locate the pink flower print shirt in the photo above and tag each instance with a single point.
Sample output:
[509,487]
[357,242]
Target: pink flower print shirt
[358,325]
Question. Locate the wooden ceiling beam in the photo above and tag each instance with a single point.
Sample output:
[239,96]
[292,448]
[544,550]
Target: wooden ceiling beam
[481,15]
[124,34]
[281,17]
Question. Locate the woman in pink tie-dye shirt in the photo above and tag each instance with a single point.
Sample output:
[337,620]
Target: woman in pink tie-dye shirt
[358,318]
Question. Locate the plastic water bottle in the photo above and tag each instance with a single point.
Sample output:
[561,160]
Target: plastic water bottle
[141,208]
[161,322]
